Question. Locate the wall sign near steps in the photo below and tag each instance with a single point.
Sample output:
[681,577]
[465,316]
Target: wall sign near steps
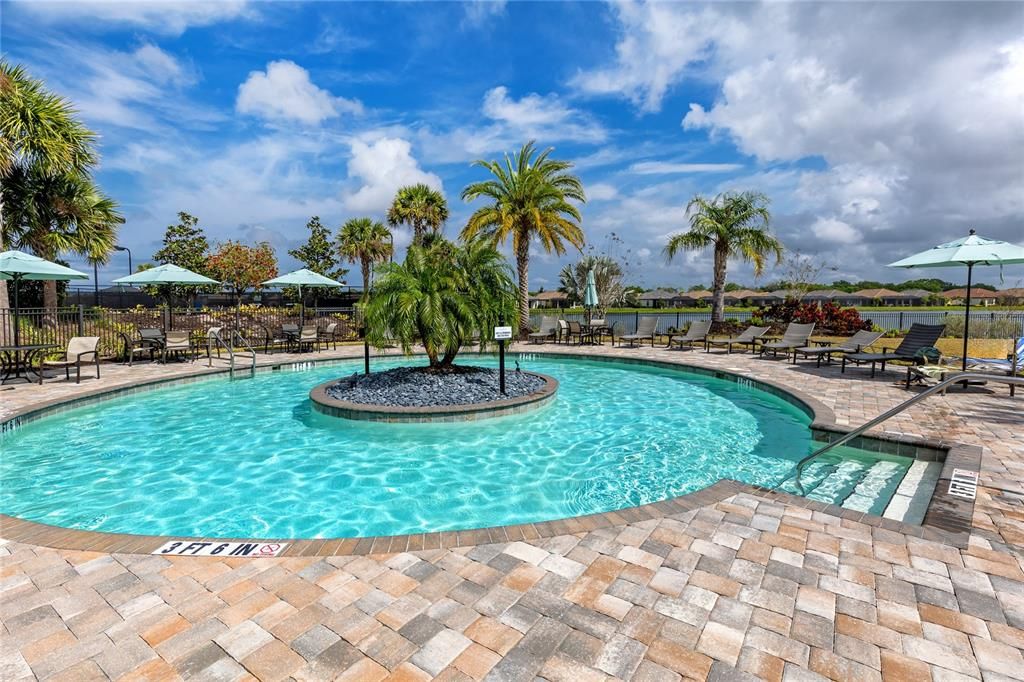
[964,483]
[252,550]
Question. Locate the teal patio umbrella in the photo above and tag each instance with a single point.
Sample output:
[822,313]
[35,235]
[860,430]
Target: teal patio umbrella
[166,274]
[590,295]
[970,251]
[16,266]
[302,278]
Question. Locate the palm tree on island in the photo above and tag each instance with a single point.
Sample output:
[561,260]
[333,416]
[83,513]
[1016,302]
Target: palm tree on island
[421,207]
[365,241]
[735,225]
[529,197]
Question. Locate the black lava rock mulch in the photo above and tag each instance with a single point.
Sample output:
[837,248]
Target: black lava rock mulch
[415,387]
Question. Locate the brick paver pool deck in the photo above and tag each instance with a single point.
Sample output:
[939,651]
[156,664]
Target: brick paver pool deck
[741,586]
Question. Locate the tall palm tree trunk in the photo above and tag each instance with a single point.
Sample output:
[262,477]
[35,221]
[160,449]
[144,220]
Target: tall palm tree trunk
[718,300]
[366,277]
[523,270]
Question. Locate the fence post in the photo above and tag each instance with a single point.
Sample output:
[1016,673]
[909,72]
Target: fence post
[677,320]
[81,320]
[167,318]
[636,321]
[901,320]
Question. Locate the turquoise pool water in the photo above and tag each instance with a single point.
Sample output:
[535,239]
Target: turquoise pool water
[250,458]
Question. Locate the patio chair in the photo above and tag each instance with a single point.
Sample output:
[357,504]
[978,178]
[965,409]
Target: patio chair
[269,340]
[599,327]
[795,336]
[698,331]
[308,336]
[548,330]
[145,340]
[81,349]
[748,337]
[855,344]
[563,329]
[920,336]
[176,343]
[329,335]
[576,330]
[646,328]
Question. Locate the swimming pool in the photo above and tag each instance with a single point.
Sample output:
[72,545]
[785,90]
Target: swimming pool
[250,458]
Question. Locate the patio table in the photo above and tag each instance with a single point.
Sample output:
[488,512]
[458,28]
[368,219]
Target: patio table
[16,361]
[597,331]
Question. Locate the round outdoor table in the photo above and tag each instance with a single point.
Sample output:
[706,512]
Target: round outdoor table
[16,361]
[596,332]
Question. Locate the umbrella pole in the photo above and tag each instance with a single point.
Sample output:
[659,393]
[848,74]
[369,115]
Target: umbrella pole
[967,317]
[17,280]
[302,308]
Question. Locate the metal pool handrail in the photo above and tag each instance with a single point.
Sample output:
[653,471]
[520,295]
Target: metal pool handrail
[942,385]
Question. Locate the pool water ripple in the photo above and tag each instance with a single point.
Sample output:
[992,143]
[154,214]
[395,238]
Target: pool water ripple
[251,458]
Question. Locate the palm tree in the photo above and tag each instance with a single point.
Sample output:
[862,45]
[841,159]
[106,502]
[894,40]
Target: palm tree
[420,207]
[734,224]
[440,296]
[365,241]
[56,214]
[607,279]
[529,195]
[38,133]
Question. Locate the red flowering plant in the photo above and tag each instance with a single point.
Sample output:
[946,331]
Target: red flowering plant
[827,317]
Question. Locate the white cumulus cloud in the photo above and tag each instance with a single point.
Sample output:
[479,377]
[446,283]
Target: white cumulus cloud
[833,230]
[380,167]
[667,168]
[285,92]
[166,17]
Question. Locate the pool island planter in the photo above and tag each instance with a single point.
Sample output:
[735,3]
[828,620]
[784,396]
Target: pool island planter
[324,403]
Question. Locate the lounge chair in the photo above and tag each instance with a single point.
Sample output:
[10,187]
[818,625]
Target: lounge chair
[795,336]
[308,336]
[698,331]
[80,349]
[646,328]
[748,337]
[855,344]
[176,343]
[920,336]
[548,330]
[1013,365]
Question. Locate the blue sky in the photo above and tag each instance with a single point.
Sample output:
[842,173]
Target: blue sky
[876,129]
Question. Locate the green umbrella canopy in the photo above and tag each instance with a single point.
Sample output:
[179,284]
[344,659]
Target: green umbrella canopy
[590,295]
[15,264]
[971,249]
[302,278]
[166,274]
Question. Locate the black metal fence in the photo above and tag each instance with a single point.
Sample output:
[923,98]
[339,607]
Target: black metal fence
[887,319]
[57,326]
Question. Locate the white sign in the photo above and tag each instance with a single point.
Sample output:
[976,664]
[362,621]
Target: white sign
[964,483]
[502,333]
[252,550]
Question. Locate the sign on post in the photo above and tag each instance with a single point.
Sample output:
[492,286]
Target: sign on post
[502,333]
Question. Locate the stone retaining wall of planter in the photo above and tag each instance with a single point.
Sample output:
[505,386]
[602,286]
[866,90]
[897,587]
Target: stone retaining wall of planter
[325,404]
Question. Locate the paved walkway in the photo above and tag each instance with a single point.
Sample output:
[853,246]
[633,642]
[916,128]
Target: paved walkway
[744,588]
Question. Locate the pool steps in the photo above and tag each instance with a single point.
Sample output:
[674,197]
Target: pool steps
[883,487]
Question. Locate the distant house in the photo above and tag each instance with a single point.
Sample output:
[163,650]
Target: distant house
[834,296]
[982,297]
[887,297]
[762,298]
[1010,296]
[549,299]
[918,296]
[701,295]
[741,296]
[664,298]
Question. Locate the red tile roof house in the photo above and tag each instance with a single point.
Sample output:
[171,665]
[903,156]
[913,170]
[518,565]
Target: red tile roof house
[890,297]
[978,297]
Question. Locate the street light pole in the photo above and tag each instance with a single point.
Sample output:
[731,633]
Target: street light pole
[125,248]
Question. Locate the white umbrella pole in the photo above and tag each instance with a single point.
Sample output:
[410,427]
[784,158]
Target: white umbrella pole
[302,308]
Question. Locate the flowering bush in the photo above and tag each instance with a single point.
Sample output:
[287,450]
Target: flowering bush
[826,317]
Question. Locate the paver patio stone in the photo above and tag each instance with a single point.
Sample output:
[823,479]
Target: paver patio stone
[745,585]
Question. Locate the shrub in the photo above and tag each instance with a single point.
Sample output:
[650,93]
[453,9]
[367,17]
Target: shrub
[998,328]
[827,317]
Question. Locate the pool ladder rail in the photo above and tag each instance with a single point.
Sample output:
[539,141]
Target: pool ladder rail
[931,390]
[215,340]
